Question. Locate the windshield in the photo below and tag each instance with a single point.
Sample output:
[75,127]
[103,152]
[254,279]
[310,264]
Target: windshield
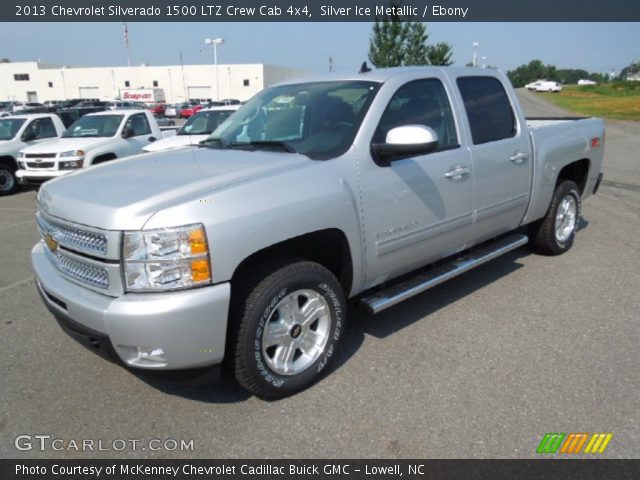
[203,123]
[9,127]
[94,126]
[319,119]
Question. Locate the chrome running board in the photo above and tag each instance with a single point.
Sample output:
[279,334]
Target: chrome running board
[396,293]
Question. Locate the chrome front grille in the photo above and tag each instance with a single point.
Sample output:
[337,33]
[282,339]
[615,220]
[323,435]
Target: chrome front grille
[40,164]
[74,238]
[89,274]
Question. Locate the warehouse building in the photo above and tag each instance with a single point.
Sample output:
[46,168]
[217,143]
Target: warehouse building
[39,82]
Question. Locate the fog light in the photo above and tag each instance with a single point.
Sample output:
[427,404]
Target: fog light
[151,356]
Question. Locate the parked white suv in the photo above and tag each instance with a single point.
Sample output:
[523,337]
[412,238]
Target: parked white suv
[21,131]
[94,138]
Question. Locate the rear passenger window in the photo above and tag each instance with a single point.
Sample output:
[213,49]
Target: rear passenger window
[488,108]
[422,102]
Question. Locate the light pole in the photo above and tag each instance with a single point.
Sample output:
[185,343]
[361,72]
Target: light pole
[475,53]
[215,42]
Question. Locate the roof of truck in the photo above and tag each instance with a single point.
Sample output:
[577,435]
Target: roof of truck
[381,75]
[31,116]
[129,111]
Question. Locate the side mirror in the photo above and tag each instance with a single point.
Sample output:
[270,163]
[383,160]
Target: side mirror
[28,135]
[127,132]
[403,142]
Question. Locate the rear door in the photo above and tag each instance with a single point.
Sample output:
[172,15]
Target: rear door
[501,151]
[416,210]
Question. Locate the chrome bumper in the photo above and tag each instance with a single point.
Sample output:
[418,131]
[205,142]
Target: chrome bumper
[190,326]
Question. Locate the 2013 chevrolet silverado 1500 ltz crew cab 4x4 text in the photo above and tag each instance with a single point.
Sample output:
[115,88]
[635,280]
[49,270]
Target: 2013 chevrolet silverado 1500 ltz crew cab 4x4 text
[94,138]
[244,250]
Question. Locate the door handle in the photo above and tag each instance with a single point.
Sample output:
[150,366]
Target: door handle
[152,139]
[457,173]
[519,158]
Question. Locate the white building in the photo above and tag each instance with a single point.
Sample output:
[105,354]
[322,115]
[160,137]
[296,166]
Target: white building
[38,82]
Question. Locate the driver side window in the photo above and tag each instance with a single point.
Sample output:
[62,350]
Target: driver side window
[421,102]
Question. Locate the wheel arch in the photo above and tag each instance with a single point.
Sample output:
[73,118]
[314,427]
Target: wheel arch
[328,247]
[577,171]
[8,160]
[103,157]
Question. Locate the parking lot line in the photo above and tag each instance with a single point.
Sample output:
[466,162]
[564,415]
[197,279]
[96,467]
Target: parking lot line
[17,224]
[17,284]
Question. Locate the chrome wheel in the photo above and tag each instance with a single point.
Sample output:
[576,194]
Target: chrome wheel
[566,218]
[296,333]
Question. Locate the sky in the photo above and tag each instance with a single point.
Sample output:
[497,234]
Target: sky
[596,47]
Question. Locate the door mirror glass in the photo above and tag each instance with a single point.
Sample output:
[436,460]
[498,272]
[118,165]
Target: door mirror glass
[127,132]
[405,141]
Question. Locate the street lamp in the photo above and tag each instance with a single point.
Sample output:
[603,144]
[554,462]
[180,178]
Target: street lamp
[475,53]
[215,42]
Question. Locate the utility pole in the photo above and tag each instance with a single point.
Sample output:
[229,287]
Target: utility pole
[125,32]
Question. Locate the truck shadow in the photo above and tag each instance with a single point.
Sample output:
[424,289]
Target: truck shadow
[361,324]
[384,324]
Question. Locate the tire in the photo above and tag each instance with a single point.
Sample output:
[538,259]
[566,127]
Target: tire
[8,180]
[554,234]
[278,351]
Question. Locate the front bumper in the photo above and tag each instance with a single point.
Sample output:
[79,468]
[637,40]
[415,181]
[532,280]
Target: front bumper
[35,176]
[189,326]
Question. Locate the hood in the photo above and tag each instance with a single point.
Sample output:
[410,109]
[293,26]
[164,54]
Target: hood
[123,194]
[59,145]
[9,145]
[175,141]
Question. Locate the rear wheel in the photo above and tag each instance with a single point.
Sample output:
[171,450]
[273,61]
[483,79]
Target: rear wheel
[289,327]
[8,181]
[554,234]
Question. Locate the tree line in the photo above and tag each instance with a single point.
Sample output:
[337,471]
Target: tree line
[536,70]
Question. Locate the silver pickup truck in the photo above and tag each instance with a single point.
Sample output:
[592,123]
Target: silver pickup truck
[243,252]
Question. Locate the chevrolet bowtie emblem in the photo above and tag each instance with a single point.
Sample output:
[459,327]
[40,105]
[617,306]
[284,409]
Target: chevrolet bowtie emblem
[51,242]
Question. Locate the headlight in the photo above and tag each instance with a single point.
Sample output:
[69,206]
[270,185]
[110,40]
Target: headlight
[21,155]
[166,259]
[72,153]
[70,164]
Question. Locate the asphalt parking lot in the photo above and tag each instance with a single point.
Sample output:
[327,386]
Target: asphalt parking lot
[480,367]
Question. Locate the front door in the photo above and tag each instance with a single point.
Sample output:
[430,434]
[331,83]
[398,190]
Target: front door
[416,210]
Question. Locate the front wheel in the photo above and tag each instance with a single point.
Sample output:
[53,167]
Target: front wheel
[8,181]
[554,234]
[289,327]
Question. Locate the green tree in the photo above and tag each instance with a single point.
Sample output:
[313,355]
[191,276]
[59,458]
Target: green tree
[416,51]
[395,42]
[534,70]
[440,54]
[387,44]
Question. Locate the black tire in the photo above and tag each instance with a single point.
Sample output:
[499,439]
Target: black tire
[8,180]
[543,232]
[259,304]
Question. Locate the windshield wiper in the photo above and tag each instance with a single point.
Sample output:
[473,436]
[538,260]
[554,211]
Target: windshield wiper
[267,144]
[214,141]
